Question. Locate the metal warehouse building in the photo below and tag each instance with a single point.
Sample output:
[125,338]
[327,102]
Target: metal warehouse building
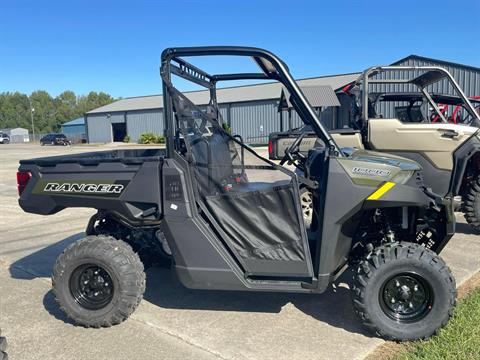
[252,111]
[17,135]
[74,129]
[468,78]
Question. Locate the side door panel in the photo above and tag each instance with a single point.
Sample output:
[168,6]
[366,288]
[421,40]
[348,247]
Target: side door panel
[432,141]
[348,139]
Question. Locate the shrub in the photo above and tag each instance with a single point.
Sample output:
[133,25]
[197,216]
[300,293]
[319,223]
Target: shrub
[126,139]
[151,138]
[227,128]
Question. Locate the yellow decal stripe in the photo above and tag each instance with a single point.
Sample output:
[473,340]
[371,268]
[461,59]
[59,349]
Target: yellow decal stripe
[382,190]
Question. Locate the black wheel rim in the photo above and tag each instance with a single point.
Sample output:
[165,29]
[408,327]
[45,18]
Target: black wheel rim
[307,205]
[406,298]
[91,286]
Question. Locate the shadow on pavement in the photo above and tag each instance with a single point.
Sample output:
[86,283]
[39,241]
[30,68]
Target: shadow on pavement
[40,263]
[164,290]
[53,308]
[333,307]
[463,228]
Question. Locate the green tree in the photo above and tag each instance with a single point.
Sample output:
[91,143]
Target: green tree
[44,110]
[49,113]
[66,107]
[13,110]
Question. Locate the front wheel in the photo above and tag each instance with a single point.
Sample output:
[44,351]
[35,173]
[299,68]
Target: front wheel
[403,292]
[3,347]
[98,281]
[471,204]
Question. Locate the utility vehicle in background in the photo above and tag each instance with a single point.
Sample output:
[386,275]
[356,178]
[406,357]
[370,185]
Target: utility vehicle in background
[448,153]
[440,132]
[229,219]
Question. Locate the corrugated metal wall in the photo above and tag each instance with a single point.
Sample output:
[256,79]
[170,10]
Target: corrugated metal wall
[99,128]
[144,121]
[254,121]
[468,79]
[17,135]
[138,122]
[73,129]
[224,112]
[327,117]
[116,118]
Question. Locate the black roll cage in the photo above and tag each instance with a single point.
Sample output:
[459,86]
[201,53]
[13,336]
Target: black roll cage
[272,69]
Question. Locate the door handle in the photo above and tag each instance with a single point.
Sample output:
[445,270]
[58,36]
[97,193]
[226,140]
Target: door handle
[451,134]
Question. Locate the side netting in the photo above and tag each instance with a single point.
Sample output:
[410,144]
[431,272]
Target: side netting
[254,201]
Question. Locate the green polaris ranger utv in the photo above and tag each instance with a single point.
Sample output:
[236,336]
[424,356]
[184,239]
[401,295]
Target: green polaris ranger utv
[230,219]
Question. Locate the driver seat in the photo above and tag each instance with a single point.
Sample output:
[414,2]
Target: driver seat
[213,160]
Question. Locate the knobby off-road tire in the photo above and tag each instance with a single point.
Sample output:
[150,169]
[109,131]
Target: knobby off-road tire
[3,347]
[98,281]
[403,291]
[471,204]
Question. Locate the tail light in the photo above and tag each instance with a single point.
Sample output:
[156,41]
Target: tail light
[23,177]
[270,147]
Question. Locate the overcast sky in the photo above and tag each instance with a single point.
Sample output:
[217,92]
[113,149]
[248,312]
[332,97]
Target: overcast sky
[115,46]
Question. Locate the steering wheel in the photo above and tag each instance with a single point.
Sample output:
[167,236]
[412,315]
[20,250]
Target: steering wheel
[293,154]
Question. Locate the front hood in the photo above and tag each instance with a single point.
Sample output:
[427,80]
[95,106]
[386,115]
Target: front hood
[387,159]
[373,168]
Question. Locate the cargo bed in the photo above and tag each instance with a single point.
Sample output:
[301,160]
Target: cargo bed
[127,182]
[124,156]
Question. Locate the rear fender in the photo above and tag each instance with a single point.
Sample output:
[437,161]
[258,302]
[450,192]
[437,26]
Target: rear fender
[466,158]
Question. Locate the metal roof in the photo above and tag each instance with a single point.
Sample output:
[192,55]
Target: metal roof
[79,121]
[317,96]
[14,131]
[442,62]
[245,93]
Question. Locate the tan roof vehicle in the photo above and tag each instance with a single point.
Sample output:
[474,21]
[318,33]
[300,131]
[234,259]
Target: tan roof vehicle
[421,129]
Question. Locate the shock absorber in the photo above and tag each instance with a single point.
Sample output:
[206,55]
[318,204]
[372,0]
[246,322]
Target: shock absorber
[384,222]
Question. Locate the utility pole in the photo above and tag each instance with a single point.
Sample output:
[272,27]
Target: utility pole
[31,118]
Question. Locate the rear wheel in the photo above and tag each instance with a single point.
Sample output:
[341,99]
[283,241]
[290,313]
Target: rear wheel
[98,281]
[306,202]
[471,204]
[403,291]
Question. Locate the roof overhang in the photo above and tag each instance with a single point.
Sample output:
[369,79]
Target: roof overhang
[318,96]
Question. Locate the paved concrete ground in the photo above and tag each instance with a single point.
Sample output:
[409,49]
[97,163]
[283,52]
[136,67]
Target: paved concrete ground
[172,322]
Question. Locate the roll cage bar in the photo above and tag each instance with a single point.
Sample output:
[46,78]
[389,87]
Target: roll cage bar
[416,97]
[272,69]
[431,75]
